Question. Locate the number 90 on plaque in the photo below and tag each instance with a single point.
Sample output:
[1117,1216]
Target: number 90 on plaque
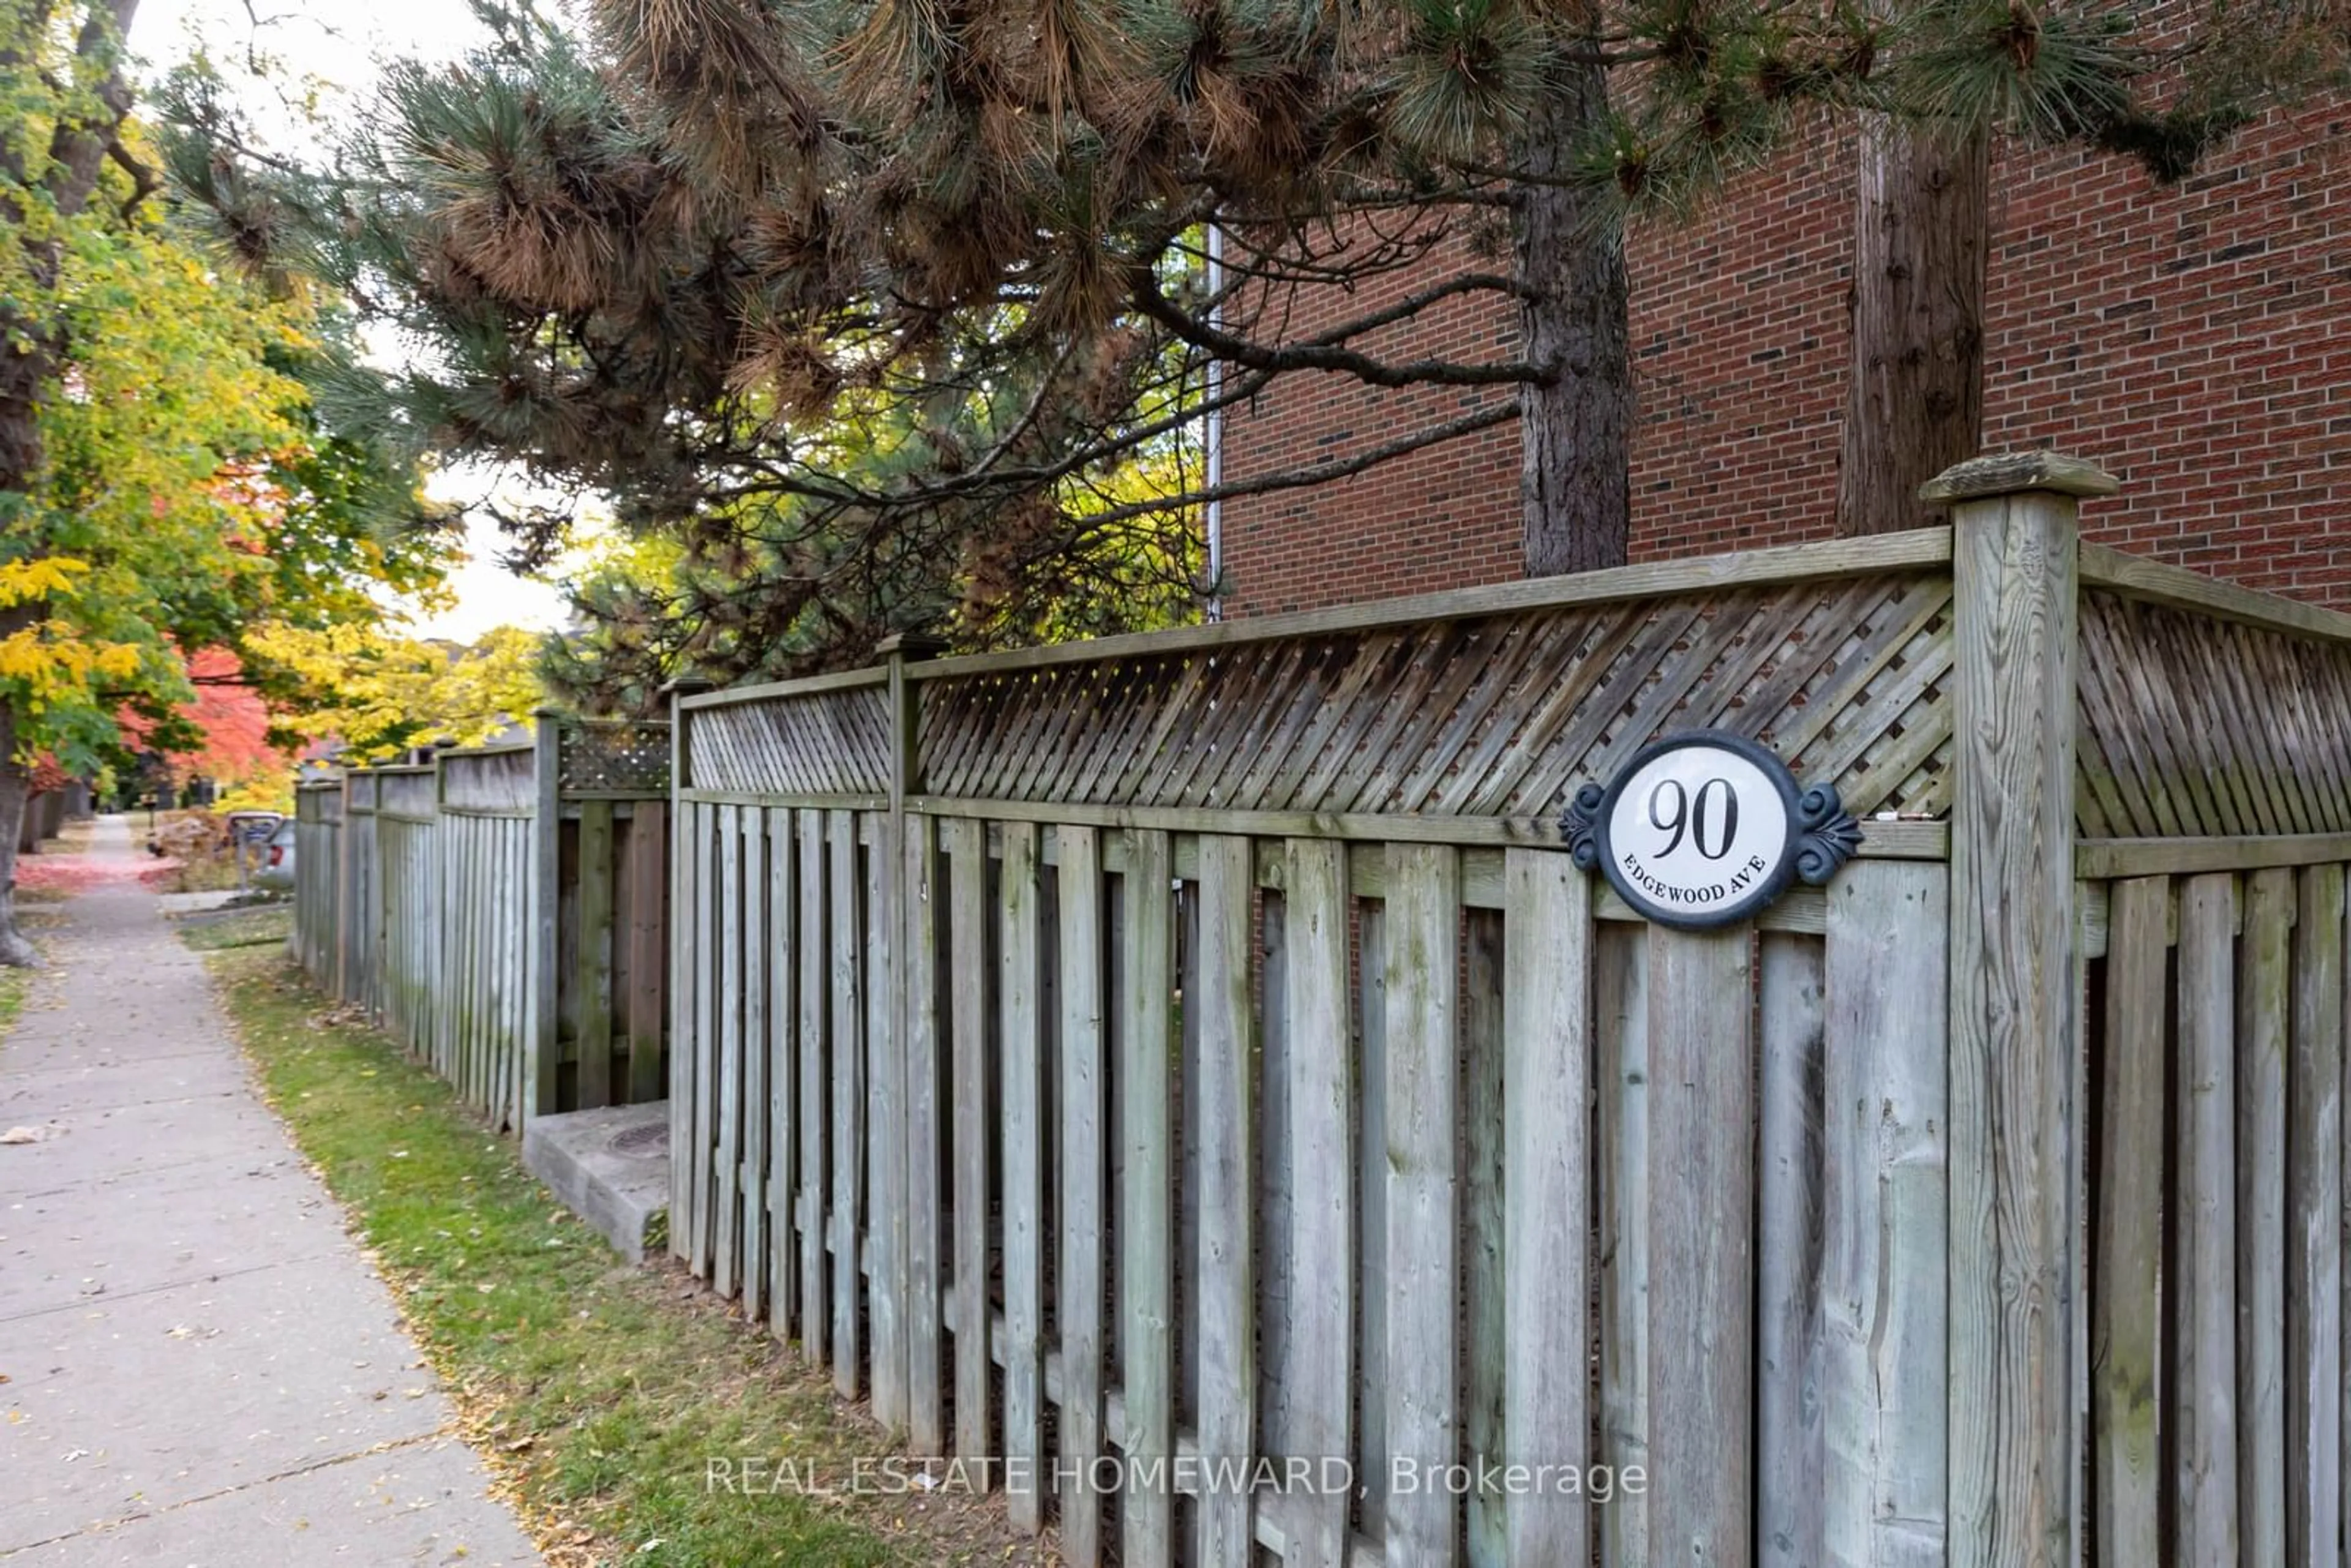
[1705,828]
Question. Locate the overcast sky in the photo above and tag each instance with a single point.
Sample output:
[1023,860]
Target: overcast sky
[338,42]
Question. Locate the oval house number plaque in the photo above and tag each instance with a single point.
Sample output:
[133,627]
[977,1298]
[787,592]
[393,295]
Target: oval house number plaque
[1705,828]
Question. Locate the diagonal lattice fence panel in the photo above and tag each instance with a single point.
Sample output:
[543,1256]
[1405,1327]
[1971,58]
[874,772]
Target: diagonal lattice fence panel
[1494,715]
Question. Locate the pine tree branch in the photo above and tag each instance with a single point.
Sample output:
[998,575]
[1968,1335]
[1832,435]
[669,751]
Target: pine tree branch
[1154,303]
[1500,412]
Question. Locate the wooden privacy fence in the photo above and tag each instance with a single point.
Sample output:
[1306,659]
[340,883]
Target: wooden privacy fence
[503,910]
[1188,1074]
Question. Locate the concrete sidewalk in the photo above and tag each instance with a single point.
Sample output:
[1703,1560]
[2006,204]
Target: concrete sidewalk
[197,1367]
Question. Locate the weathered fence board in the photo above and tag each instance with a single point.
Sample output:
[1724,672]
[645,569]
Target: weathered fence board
[1790,1445]
[1547,1064]
[925,1191]
[1083,1186]
[1146,1226]
[1019,1132]
[2127,1328]
[967,923]
[1223,1271]
[2264,990]
[2313,1222]
[1884,1216]
[1317,1385]
[2203,1243]
[1422,1257]
[1700,1191]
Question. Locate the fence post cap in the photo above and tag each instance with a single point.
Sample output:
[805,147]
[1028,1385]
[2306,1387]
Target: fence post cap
[910,645]
[2010,473]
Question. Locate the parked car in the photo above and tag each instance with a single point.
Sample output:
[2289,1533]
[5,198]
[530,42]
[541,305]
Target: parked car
[276,869]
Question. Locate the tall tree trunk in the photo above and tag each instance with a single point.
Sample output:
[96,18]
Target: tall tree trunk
[1576,432]
[1915,400]
[15,790]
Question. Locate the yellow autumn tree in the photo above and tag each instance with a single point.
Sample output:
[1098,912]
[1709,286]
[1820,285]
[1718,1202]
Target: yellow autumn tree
[379,692]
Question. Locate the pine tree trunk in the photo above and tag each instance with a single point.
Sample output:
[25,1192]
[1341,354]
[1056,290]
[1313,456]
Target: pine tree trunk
[14,791]
[1575,433]
[1914,402]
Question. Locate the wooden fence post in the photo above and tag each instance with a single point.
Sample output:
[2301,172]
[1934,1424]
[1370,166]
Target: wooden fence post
[345,904]
[546,894]
[378,957]
[682,983]
[2016,1300]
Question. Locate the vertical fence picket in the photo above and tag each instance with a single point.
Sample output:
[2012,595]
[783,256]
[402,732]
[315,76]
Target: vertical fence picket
[1791,1452]
[1484,1307]
[751,833]
[968,919]
[1020,1132]
[815,992]
[1273,1196]
[685,986]
[1081,1188]
[1146,1255]
[847,1061]
[783,1087]
[885,1150]
[504,1038]
[925,1191]
[727,1240]
[2203,1253]
[516,1098]
[1223,1273]
[1321,1220]
[546,911]
[2264,1002]
[751,828]
[1700,1198]
[1547,1087]
[597,937]
[1424,906]
[480,1007]
[1621,1007]
[2127,1318]
[648,926]
[2314,1234]
[1885,1208]
[1371,1281]
[705,1033]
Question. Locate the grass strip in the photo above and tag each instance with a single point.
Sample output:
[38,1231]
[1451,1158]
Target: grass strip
[599,1392]
[243,928]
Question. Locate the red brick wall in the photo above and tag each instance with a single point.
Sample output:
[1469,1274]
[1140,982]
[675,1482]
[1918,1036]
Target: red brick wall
[2194,339]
